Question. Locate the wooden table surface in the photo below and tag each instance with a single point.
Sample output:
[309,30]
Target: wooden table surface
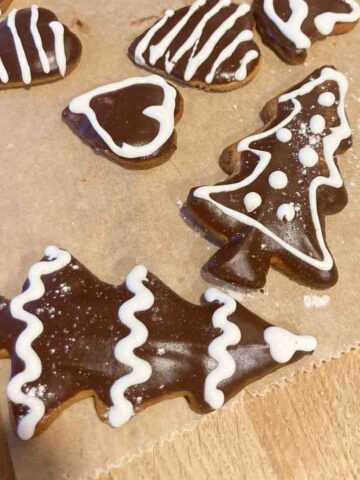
[308,429]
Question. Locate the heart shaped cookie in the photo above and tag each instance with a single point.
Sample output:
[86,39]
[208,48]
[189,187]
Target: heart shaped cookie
[208,44]
[35,48]
[131,122]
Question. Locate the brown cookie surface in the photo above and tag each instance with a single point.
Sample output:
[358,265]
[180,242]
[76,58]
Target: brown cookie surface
[128,345]
[131,122]
[35,48]
[290,28]
[272,210]
[208,44]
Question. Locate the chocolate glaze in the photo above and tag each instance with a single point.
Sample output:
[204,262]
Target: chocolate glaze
[285,48]
[81,329]
[247,253]
[10,328]
[9,56]
[225,73]
[120,113]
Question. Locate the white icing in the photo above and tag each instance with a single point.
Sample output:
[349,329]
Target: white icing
[325,22]
[317,124]
[284,344]
[308,156]
[164,114]
[58,259]
[252,201]
[286,212]
[331,143]
[327,99]
[241,72]
[58,30]
[196,34]
[37,39]
[4,77]
[24,66]
[284,135]
[217,350]
[197,60]
[291,29]
[158,50]
[278,180]
[144,43]
[60,55]
[243,36]
[122,409]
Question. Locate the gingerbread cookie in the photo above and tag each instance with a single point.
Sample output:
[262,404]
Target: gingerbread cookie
[35,48]
[291,27]
[130,345]
[272,211]
[208,44]
[131,122]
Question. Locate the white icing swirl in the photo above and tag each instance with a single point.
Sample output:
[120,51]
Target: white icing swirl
[164,114]
[58,259]
[325,22]
[217,350]
[122,409]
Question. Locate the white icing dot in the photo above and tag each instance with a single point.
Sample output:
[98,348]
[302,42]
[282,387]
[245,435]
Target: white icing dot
[286,212]
[327,99]
[252,201]
[317,124]
[278,180]
[308,156]
[284,135]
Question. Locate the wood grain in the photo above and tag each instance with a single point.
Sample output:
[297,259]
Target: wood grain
[308,429]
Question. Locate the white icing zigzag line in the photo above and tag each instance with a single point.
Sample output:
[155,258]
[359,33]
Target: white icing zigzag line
[24,66]
[325,22]
[37,39]
[284,344]
[218,347]
[291,29]
[122,409]
[164,114]
[58,259]
[330,145]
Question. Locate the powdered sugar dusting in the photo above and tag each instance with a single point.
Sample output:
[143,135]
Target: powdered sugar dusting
[316,301]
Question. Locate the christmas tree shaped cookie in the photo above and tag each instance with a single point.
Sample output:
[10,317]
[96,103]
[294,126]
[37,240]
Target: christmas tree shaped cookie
[291,27]
[272,210]
[71,336]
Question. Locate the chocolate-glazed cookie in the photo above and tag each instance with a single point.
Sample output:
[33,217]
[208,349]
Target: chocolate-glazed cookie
[272,210]
[129,345]
[290,28]
[131,122]
[35,48]
[208,44]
